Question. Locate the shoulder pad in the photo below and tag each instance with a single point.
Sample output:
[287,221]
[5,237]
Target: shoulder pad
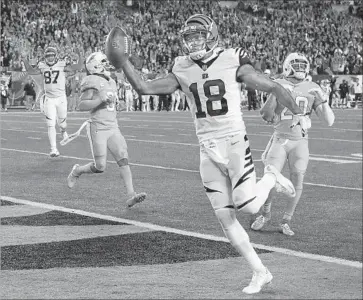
[90,82]
[242,56]
[41,65]
[61,63]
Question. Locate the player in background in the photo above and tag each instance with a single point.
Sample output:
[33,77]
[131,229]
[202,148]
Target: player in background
[291,144]
[54,71]
[175,101]
[211,77]
[129,97]
[99,97]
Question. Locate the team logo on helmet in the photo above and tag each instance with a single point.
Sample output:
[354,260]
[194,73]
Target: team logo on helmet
[199,36]
[97,63]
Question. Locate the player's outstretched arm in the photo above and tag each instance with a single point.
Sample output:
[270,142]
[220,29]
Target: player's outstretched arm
[248,75]
[322,108]
[89,100]
[267,111]
[160,86]
[29,69]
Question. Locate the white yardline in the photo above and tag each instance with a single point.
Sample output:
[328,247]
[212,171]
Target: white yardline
[174,169]
[328,259]
[192,123]
[132,138]
[34,138]
[249,134]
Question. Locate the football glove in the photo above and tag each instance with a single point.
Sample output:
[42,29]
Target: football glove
[303,120]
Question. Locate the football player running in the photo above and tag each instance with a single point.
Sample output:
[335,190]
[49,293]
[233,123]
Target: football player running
[99,96]
[211,78]
[291,144]
[54,106]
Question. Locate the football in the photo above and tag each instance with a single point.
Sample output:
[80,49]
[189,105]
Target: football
[118,46]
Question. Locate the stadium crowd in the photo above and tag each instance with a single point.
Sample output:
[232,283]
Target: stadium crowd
[331,38]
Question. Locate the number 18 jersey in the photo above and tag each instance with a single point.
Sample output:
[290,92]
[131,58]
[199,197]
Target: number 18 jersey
[54,79]
[212,91]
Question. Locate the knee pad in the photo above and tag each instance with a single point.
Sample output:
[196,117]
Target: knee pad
[231,227]
[245,201]
[50,122]
[123,162]
[297,179]
[98,167]
[63,123]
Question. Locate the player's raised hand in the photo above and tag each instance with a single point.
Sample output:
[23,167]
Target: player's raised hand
[317,93]
[118,46]
[303,121]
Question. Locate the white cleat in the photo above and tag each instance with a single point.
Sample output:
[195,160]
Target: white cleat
[54,153]
[65,138]
[137,198]
[72,179]
[283,185]
[286,230]
[258,281]
[260,222]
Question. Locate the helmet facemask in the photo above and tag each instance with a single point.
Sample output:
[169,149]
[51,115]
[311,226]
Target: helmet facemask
[296,66]
[50,57]
[199,36]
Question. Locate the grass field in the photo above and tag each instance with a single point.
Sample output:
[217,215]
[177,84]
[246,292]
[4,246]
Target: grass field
[84,243]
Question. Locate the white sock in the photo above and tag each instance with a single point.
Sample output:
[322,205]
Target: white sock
[52,135]
[240,240]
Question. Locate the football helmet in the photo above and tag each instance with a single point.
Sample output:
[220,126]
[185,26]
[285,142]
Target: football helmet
[296,65]
[199,36]
[51,55]
[97,63]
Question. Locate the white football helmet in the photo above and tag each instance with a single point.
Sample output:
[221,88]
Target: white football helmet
[199,36]
[97,63]
[296,65]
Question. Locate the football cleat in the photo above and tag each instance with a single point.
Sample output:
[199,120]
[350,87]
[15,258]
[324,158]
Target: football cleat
[65,138]
[285,229]
[72,179]
[283,185]
[258,281]
[260,222]
[54,153]
[137,198]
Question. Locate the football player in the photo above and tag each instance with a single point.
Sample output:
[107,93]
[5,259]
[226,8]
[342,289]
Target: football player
[290,144]
[129,97]
[211,78]
[53,71]
[99,96]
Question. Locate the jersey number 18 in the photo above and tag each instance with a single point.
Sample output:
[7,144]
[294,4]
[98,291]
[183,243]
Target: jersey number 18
[210,98]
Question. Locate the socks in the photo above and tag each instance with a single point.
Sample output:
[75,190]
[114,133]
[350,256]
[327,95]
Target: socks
[85,169]
[127,178]
[52,135]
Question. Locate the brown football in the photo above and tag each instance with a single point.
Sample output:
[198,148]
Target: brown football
[118,46]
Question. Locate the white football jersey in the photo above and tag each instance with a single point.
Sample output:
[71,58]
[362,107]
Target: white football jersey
[212,91]
[54,79]
[128,87]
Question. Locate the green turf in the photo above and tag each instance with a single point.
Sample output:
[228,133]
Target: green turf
[328,221]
